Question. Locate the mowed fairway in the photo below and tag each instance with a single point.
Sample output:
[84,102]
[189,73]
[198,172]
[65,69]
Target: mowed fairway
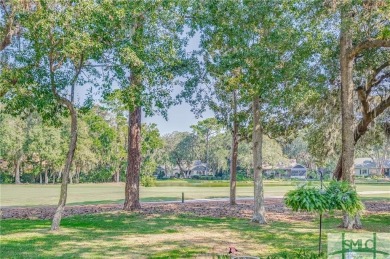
[38,195]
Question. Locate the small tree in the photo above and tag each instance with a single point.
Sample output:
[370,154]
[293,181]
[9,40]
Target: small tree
[60,42]
[337,196]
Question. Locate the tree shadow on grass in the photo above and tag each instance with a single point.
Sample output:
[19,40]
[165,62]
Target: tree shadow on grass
[121,201]
[133,235]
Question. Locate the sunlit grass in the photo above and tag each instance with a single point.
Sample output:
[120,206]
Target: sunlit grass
[130,235]
[37,195]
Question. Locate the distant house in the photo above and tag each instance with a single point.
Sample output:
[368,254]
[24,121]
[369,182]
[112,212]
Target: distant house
[196,168]
[366,166]
[291,170]
[160,172]
[201,169]
[386,168]
[276,171]
[298,172]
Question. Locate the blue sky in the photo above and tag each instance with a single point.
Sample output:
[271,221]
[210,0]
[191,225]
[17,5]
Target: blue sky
[180,118]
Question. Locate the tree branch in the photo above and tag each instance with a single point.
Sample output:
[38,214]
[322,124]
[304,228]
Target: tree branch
[362,126]
[380,68]
[8,35]
[368,44]
[380,79]
[380,108]
[76,76]
[374,81]
[10,29]
[362,95]
[4,7]
[61,100]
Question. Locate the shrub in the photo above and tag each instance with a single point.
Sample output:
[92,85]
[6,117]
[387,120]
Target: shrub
[161,175]
[148,181]
[336,196]
[343,196]
[98,175]
[6,178]
[307,198]
[300,254]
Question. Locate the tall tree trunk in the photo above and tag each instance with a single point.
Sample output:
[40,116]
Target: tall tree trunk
[338,172]
[359,131]
[133,161]
[65,174]
[117,175]
[59,175]
[234,154]
[8,31]
[347,116]
[46,177]
[347,133]
[17,163]
[40,172]
[207,147]
[134,130]
[257,140]
[118,168]
[78,170]
[233,167]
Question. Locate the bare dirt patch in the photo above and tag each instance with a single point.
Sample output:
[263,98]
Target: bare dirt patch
[276,211]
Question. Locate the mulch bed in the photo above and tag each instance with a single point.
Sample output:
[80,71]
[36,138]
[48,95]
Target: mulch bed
[219,209]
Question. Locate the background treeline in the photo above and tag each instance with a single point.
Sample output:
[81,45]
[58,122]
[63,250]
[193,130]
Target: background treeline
[33,151]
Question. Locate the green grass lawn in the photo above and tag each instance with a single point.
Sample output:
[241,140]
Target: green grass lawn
[130,235]
[36,195]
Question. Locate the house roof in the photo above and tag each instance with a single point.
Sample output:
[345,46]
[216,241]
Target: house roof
[298,166]
[199,168]
[362,160]
[366,162]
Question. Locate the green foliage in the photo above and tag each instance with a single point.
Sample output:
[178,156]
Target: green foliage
[151,146]
[272,152]
[181,148]
[299,254]
[148,181]
[343,196]
[97,175]
[6,178]
[307,198]
[253,51]
[203,131]
[336,196]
